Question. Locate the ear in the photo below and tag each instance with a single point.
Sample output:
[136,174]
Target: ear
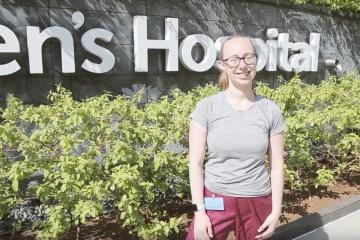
[220,65]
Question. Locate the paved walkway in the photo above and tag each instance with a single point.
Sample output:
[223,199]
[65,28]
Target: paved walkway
[344,228]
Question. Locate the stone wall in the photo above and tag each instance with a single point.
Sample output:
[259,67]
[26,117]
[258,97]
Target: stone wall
[340,39]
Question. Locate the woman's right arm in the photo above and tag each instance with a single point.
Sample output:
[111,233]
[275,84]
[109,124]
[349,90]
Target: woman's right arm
[197,146]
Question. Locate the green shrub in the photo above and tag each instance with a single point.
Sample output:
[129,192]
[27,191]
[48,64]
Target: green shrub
[323,128]
[98,149]
[352,5]
[110,147]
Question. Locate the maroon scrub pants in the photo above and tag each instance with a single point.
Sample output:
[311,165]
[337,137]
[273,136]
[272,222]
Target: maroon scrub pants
[244,215]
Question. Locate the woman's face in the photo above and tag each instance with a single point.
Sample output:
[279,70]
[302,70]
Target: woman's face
[239,73]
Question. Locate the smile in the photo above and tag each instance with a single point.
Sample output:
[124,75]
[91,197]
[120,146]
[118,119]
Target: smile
[242,74]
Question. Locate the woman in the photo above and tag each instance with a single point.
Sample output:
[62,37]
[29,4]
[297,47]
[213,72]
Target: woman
[238,128]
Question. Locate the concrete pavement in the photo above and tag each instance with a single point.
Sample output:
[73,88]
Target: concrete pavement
[344,228]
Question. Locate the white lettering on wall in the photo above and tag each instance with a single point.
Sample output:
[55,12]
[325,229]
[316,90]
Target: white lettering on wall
[11,45]
[186,47]
[35,41]
[284,45]
[288,56]
[277,52]
[272,54]
[314,51]
[142,44]
[107,58]
[272,47]
[262,52]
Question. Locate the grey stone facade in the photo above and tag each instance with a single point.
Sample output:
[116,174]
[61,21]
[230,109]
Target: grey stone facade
[340,39]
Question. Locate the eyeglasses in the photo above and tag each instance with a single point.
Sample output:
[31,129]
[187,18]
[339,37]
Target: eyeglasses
[234,61]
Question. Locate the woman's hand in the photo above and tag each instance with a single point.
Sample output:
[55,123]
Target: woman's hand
[202,226]
[269,224]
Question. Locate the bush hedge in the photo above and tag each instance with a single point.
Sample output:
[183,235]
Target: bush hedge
[111,148]
[352,5]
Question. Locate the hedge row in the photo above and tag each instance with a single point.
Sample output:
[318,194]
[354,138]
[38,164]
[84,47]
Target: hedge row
[110,148]
[352,5]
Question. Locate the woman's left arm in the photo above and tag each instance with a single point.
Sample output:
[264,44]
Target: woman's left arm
[276,162]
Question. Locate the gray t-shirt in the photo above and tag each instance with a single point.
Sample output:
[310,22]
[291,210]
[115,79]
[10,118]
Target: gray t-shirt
[237,143]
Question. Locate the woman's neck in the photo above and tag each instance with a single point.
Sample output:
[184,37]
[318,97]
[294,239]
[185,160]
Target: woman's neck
[240,95]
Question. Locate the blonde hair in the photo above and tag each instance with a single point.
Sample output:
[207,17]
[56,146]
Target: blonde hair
[223,77]
[223,80]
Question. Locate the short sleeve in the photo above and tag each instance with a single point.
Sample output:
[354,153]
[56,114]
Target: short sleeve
[277,122]
[200,113]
